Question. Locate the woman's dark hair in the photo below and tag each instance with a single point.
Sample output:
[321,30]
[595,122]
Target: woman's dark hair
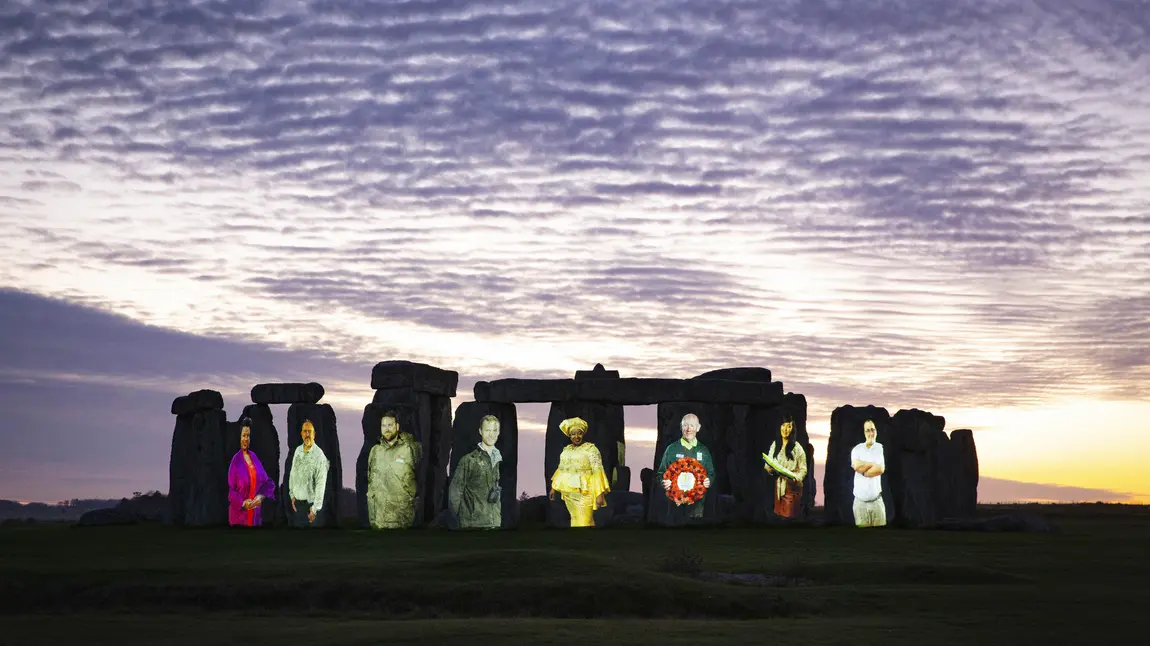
[247,421]
[790,446]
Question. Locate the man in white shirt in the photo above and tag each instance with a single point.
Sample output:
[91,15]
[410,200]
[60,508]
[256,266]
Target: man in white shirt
[868,464]
[308,480]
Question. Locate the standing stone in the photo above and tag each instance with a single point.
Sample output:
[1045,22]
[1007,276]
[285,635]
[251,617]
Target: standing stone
[465,439]
[755,428]
[795,406]
[614,413]
[179,470]
[750,429]
[197,471]
[421,397]
[439,454]
[962,500]
[918,475]
[208,500]
[414,412]
[838,479]
[266,445]
[646,475]
[327,439]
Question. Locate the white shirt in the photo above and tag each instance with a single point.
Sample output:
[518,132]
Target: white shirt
[868,489]
[308,476]
[494,454]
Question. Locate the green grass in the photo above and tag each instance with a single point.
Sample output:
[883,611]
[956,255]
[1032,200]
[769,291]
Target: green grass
[149,584]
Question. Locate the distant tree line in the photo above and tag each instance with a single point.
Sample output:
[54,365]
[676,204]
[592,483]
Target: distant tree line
[64,510]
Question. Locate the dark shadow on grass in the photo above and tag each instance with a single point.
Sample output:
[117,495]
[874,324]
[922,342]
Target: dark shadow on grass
[561,597]
[891,574]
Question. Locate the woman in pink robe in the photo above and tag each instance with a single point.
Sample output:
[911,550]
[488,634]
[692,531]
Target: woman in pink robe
[248,483]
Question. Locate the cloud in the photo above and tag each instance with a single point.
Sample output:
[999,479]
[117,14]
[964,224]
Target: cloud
[933,202]
[996,490]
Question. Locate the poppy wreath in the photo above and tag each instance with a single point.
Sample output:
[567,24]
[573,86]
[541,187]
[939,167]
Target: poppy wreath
[686,476]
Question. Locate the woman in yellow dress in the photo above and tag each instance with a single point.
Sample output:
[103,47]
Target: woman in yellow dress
[580,478]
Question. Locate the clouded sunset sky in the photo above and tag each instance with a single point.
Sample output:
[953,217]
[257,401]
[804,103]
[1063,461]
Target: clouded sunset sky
[938,204]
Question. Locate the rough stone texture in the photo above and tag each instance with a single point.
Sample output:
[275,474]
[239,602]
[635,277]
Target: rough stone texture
[266,446]
[198,469]
[964,467]
[737,435]
[309,393]
[201,400]
[327,439]
[938,475]
[919,476]
[428,418]
[416,376]
[761,375]
[465,438]
[598,372]
[929,477]
[620,476]
[629,391]
[838,478]
[628,508]
[510,391]
[180,470]
[622,481]
[604,430]
[440,453]
[646,475]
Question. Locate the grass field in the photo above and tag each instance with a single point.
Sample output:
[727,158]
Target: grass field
[153,584]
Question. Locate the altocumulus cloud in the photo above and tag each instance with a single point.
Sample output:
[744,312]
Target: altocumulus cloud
[934,202]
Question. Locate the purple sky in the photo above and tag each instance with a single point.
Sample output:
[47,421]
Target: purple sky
[939,204]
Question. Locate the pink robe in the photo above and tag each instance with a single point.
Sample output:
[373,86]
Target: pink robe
[241,487]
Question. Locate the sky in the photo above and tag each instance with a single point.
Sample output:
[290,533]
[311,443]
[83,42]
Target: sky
[927,204]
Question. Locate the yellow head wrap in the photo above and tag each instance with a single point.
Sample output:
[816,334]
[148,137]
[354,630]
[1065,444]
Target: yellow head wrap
[572,424]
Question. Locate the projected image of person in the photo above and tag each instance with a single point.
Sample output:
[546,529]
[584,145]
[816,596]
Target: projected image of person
[308,480]
[580,479]
[248,483]
[391,486]
[787,453]
[474,496]
[685,487]
[868,464]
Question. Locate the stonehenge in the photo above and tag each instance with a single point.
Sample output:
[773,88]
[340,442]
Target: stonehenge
[921,476]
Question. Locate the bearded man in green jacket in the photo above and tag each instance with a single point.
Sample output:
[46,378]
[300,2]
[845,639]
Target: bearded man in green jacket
[391,488]
[474,496]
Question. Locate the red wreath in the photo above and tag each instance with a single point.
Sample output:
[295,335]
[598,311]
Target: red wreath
[677,469]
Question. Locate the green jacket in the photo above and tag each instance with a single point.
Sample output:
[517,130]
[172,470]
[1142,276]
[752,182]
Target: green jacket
[677,450]
[473,484]
[391,488]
